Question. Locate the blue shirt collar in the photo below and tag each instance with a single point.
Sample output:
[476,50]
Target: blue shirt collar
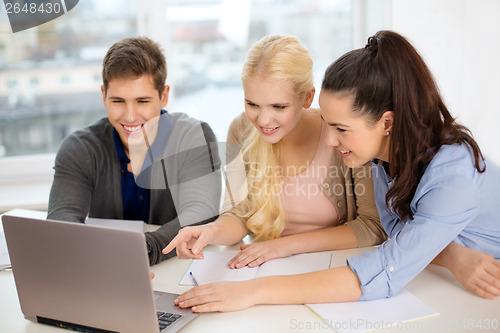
[120,150]
[156,149]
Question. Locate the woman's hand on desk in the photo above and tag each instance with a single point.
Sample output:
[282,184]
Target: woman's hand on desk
[190,241]
[478,272]
[475,270]
[219,296]
[253,255]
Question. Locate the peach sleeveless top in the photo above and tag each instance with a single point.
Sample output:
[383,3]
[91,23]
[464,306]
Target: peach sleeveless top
[306,207]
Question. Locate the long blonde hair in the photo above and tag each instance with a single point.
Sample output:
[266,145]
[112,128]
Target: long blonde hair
[284,59]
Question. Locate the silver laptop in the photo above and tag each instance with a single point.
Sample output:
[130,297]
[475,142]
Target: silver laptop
[87,278]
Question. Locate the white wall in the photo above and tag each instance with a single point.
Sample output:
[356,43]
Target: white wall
[460,42]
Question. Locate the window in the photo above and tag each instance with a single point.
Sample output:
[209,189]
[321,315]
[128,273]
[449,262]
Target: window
[208,41]
[53,71]
[49,71]
[50,75]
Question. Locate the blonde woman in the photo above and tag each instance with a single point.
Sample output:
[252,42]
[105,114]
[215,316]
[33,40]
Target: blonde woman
[299,195]
[437,195]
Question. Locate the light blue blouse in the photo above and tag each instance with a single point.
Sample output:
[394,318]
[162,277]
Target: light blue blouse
[453,202]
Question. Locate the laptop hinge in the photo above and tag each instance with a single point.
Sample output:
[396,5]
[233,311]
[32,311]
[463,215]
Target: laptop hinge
[71,326]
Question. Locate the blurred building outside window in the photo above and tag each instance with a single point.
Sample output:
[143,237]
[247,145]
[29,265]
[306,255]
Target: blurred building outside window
[50,75]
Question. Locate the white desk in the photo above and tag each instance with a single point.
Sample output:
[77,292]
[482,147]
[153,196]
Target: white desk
[460,310]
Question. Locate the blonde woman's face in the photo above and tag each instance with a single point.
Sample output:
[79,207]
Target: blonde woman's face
[272,107]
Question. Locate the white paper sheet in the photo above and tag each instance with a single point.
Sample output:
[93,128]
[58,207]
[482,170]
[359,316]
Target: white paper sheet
[366,316]
[214,267]
[296,264]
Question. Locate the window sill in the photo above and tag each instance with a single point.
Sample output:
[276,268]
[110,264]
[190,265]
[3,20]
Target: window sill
[25,181]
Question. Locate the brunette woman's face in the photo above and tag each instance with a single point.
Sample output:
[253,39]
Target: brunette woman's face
[357,139]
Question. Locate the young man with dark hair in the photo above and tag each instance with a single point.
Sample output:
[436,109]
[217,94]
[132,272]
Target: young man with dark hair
[140,162]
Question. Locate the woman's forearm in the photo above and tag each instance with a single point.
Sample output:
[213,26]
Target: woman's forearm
[447,257]
[338,284]
[226,231]
[328,239]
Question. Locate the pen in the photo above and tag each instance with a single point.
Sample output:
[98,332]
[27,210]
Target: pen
[193,278]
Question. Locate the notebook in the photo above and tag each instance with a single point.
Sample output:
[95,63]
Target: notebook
[132,225]
[87,278]
[214,268]
[367,316]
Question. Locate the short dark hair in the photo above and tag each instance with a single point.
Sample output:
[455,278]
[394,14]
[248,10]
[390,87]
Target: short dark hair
[135,57]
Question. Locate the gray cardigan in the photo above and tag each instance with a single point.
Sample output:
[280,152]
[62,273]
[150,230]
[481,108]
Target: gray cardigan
[87,179]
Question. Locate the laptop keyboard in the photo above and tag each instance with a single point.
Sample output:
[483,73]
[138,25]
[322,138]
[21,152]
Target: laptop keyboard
[166,319]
